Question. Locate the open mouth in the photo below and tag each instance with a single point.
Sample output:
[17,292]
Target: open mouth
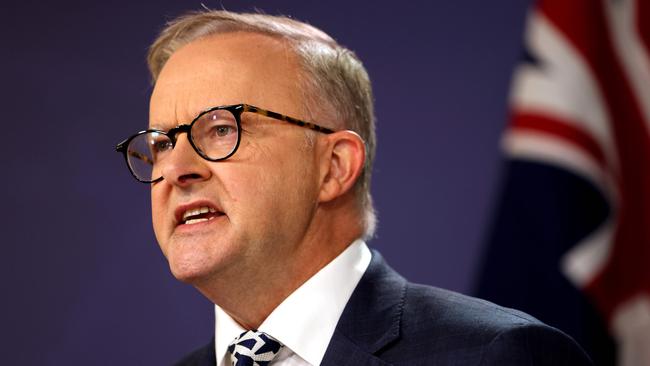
[199,214]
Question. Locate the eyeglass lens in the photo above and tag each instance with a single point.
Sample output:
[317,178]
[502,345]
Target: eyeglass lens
[214,135]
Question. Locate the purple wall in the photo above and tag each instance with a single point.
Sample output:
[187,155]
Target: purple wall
[83,280]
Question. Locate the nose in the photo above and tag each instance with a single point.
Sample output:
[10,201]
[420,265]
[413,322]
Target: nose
[184,166]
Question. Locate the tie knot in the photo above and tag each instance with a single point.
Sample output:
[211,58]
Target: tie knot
[253,348]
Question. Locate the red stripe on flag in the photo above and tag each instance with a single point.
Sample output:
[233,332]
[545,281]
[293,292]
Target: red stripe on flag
[627,272]
[539,122]
[643,22]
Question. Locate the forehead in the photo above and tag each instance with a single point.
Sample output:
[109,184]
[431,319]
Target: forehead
[227,69]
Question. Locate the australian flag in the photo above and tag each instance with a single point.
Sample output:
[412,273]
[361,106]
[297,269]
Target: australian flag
[570,242]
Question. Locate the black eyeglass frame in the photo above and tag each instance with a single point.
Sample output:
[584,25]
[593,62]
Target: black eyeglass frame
[236,110]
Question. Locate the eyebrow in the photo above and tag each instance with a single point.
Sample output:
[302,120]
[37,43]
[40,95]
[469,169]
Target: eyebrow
[195,113]
[159,125]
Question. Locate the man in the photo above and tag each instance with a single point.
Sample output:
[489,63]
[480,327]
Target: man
[259,152]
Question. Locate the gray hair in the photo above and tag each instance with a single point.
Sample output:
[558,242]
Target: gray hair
[334,79]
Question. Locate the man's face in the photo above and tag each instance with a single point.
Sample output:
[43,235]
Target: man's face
[261,200]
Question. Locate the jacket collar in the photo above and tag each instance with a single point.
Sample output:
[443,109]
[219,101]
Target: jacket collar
[371,319]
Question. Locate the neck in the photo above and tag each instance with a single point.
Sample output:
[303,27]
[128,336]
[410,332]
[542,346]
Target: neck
[328,236]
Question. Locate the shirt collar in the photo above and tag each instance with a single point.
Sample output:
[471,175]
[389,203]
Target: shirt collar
[305,321]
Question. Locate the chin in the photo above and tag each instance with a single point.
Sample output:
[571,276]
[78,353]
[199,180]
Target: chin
[189,273]
[189,261]
[197,267]
[195,260]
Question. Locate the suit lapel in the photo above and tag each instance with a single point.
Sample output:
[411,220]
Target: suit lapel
[371,319]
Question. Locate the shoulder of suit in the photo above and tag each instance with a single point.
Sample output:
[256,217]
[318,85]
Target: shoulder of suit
[449,324]
[431,310]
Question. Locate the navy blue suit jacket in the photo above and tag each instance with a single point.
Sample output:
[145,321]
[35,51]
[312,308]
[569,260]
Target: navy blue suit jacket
[389,321]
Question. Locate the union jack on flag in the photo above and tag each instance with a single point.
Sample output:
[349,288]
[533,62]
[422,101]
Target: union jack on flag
[580,105]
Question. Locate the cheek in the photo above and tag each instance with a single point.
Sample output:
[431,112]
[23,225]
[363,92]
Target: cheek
[275,194]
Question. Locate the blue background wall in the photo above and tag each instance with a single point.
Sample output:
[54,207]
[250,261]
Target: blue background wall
[83,281]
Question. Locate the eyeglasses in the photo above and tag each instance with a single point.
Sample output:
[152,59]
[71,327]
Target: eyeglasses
[214,134]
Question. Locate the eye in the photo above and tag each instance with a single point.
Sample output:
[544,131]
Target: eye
[161,145]
[223,130]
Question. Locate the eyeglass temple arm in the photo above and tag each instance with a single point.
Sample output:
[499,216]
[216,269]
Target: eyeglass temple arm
[282,117]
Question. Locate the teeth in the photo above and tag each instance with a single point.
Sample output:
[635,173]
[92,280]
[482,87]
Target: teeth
[197,211]
[196,221]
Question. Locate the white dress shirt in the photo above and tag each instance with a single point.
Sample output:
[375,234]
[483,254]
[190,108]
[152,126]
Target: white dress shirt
[305,321]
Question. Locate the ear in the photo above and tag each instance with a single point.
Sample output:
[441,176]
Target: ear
[343,160]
